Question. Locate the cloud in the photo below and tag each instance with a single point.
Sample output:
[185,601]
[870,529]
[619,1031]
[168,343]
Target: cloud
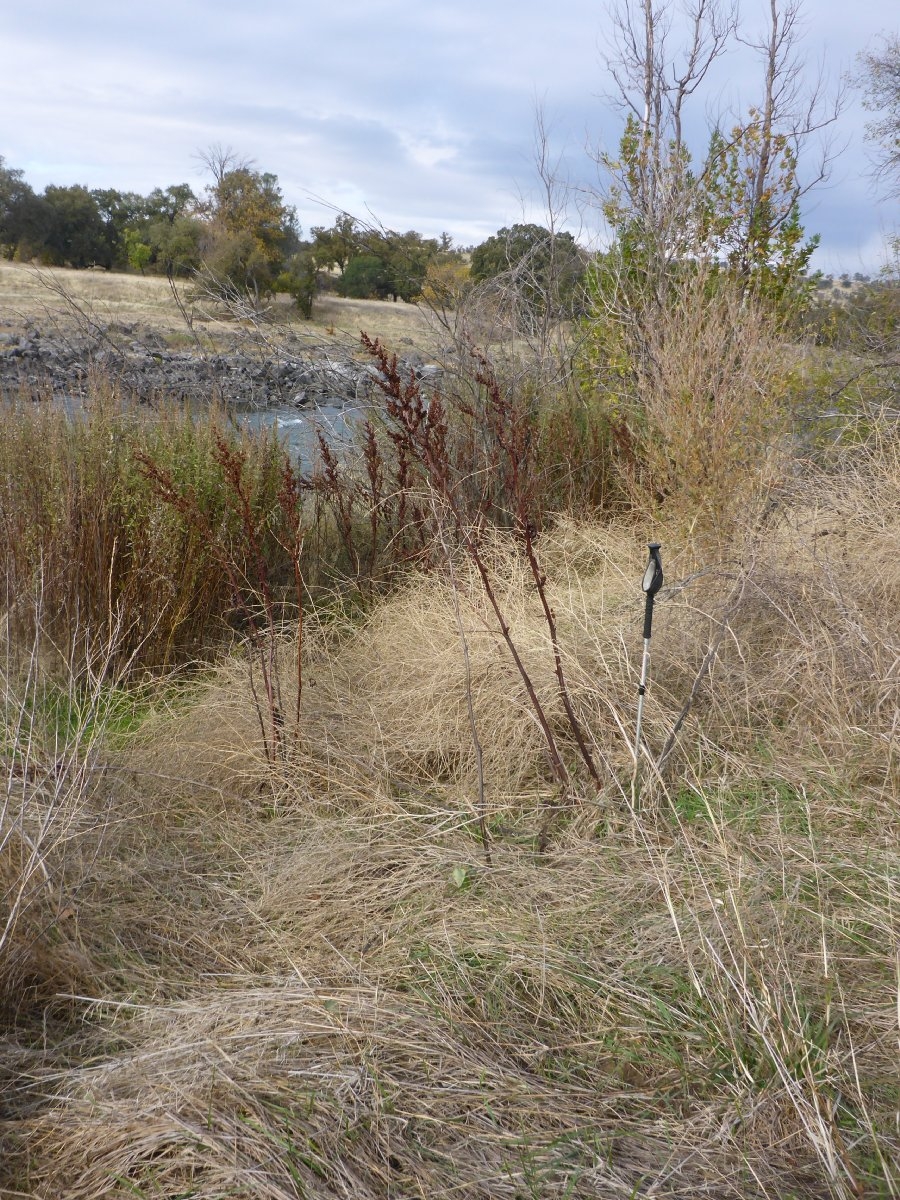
[422,114]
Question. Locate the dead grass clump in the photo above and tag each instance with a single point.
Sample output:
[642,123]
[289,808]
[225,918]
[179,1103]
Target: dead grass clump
[406,676]
[40,955]
[384,708]
[292,1091]
[49,820]
[618,1015]
[810,661]
[695,377]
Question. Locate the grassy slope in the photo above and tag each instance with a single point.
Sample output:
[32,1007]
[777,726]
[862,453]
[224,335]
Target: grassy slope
[147,301]
[309,981]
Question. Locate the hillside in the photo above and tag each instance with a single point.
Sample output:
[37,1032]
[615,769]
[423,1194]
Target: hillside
[31,296]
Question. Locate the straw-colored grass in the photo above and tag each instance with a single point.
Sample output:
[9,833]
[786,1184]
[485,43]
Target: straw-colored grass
[146,300]
[306,980]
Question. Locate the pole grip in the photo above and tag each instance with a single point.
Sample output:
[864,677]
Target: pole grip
[648,616]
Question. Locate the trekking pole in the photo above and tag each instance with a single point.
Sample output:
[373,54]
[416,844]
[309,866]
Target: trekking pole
[651,583]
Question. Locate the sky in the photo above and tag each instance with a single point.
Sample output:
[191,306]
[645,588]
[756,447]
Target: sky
[412,115]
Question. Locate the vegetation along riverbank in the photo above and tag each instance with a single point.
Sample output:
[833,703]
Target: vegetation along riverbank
[326,866]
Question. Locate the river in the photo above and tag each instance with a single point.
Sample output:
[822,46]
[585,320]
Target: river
[298,428]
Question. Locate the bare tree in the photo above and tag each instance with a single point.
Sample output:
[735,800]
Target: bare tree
[219,161]
[653,83]
[796,110]
[879,78]
[735,200]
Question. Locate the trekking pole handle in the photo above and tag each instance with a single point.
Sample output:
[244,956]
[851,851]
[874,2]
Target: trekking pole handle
[651,583]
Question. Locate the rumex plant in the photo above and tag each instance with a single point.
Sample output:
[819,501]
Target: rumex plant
[484,476]
[237,545]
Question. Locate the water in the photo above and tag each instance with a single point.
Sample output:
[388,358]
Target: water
[298,428]
[337,419]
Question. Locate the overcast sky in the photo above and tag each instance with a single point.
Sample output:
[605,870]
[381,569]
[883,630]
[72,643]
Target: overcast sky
[420,114]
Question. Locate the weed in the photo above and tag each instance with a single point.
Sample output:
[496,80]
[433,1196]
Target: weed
[245,566]
[81,525]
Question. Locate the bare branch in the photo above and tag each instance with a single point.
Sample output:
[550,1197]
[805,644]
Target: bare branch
[220,160]
[879,80]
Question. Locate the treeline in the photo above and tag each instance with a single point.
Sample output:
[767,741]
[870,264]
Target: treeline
[242,236]
[99,227]
[238,230]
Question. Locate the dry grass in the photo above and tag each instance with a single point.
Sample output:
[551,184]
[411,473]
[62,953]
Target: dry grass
[698,380]
[403,326]
[48,817]
[24,296]
[146,301]
[307,981]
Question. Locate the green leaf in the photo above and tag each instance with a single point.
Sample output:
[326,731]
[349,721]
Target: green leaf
[460,876]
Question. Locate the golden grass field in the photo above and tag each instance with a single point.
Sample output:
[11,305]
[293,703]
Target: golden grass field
[25,297]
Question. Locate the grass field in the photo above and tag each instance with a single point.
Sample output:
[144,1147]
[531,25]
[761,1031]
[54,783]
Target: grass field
[31,295]
[228,977]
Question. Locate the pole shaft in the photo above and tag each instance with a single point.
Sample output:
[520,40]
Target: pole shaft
[651,583]
[642,689]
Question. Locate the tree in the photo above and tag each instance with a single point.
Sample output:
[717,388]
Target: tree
[119,211]
[447,282]
[406,257]
[176,244]
[388,264]
[138,253]
[300,279]
[176,201]
[708,264]
[335,247]
[250,230]
[171,227]
[880,80]
[547,265]
[736,204]
[23,216]
[365,277]
[76,234]
[100,227]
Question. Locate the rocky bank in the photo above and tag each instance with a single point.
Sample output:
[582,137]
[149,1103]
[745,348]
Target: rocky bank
[144,368]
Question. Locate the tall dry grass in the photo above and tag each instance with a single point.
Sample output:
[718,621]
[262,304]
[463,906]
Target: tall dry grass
[51,726]
[82,526]
[308,980]
[696,380]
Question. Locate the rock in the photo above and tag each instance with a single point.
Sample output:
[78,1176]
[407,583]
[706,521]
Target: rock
[144,368]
